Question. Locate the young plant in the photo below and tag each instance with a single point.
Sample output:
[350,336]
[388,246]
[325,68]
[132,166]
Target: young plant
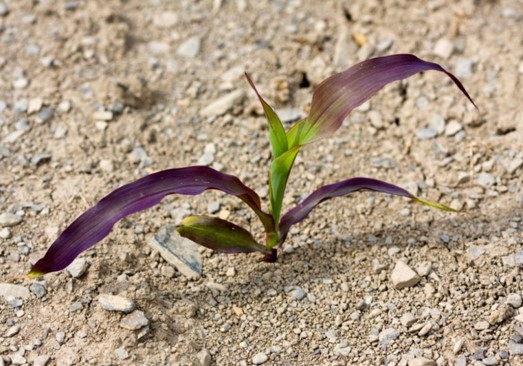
[332,101]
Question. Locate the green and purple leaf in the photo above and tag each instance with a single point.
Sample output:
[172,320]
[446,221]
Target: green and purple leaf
[336,97]
[277,134]
[343,188]
[96,223]
[219,235]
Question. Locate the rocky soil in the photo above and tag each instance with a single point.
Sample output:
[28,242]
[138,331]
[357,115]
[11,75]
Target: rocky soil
[94,94]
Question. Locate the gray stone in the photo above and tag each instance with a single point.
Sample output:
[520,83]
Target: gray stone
[180,252]
[342,349]
[289,115]
[387,335]
[138,155]
[5,233]
[514,300]
[485,180]
[461,360]
[18,359]
[3,9]
[259,358]
[45,115]
[482,325]
[437,122]
[77,268]
[475,252]
[38,289]
[122,354]
[443,48]
[490,361]
[41,360]
[426,133]
[213,207]
[208,155]
[134,321]
[8,219]
[9,291]
[403,276]
[223,104]
[40,159]
[463,68]
[296,292]
[190,48]
[204,357]
[21,105]
[515,348]
[116,303]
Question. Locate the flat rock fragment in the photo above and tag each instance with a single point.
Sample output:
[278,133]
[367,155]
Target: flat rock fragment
[403,276]
[178,251]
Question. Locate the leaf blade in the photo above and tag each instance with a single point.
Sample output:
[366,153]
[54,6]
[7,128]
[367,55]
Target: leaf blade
[336,97]
[277,134]
[302,210]
[219,235]
[96,223]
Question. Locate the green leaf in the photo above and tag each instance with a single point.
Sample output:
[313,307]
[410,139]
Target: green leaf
[219,235]
[280,170]
[276,131]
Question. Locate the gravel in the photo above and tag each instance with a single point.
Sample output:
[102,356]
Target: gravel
[403,276]
[134,321]
[116,303]
[77,268]
[8,219]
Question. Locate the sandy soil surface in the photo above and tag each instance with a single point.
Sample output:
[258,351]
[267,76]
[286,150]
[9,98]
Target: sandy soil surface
[95,94]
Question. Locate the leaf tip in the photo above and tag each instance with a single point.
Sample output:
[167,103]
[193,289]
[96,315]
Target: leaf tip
[34,273]
[435,204]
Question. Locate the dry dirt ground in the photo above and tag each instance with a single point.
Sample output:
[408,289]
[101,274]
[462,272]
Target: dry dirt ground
[94,94]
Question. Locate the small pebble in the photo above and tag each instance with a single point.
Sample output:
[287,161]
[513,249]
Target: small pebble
[407,319]
[259,358]
[38,289]
[515,348]
[485,180]
[481,325]
[297,292]
[134,320]
[223,104]
[41,360]
[12,331]
[8,219]
[204,357]
[116,303]
[103,116]
[387,335]
[490,361]
[403,276]
[3,9]
[443,48]
[122,354]
[421,361]
[463,68]
[21,83]
[21,105]
[45,115]
[452,128]
[77,268]
[514,300]
[426,133]
[190,48]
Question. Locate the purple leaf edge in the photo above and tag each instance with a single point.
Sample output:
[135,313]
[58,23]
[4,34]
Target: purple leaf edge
[97,222]
[302,210]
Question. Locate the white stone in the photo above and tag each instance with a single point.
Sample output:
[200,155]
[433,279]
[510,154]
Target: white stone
[443,48]
[165,19]
[514,300]
[35,105]
[134,321]
[9,291]
[116,303]
[403,276]
[223,104]
[9,219]
[103,116]
[190,48]
[77,268]
[259,358]
[453,127]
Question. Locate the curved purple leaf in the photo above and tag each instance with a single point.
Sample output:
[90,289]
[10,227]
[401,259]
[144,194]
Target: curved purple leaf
[96,223]
[337,96]
[343,188]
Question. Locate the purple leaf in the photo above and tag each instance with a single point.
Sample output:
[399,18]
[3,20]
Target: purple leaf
[219,235]
[337,96]
[343,188]
[96,223]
